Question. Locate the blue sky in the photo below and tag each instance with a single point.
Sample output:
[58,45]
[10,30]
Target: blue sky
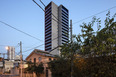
[28,17]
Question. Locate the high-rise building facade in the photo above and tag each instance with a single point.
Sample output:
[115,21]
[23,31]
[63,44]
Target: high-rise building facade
[11,53]
[56,27]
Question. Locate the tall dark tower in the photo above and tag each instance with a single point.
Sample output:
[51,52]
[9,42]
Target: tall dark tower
[56,32]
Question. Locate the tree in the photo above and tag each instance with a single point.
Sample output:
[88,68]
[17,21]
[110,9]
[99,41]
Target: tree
[69,49]
[100,42]
[36,68]
[60,67]
[99,49]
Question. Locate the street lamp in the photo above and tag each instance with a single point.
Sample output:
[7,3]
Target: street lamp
[6,47]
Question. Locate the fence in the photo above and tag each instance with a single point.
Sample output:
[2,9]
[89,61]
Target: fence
[9,75]
[23,75]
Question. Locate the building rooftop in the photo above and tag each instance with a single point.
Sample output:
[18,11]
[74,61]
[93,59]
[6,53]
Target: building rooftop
[40,52]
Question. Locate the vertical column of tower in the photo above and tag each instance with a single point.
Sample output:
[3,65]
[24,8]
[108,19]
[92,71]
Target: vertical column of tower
[54,28]
[48,28]
[63,25]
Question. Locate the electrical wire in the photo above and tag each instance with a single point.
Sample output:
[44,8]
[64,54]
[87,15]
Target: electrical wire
[8,45]
[94,15]
[42,3]
[38,5]
[41,45]
[23,33]
[3,45]
[30,45]
[20,31]
[33,48]
[58,21]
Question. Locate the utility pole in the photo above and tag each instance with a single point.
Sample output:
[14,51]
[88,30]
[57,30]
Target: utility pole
[4,55]
[21,58]
[71,49]
[71,30]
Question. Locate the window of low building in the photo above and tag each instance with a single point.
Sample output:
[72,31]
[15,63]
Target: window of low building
[30,60]
[34,60]
[40,58]
[50,59]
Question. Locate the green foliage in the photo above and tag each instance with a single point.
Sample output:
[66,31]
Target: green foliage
[99,49]
[69,49]
[100,42]
[60,67]
[38,69]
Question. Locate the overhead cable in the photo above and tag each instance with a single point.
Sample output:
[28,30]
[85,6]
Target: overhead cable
[20,31]
[33,48]
[94,15]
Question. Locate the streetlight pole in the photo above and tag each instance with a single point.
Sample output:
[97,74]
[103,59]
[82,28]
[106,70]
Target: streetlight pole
[21,58]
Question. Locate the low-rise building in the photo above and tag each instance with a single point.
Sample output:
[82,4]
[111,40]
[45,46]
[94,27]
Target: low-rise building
[8,65]
[39,56]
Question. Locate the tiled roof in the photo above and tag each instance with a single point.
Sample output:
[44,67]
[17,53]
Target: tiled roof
[40,52]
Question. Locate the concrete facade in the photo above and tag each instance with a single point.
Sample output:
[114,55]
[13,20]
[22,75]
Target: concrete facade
[56,27]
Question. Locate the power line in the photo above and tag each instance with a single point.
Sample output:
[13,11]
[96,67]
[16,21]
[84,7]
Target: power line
[58,21]
[42,3]
[8,45]
[33,48]
[20,31]
[42,45]
[38,5]
[30,45]
[3,45]
[94,15]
